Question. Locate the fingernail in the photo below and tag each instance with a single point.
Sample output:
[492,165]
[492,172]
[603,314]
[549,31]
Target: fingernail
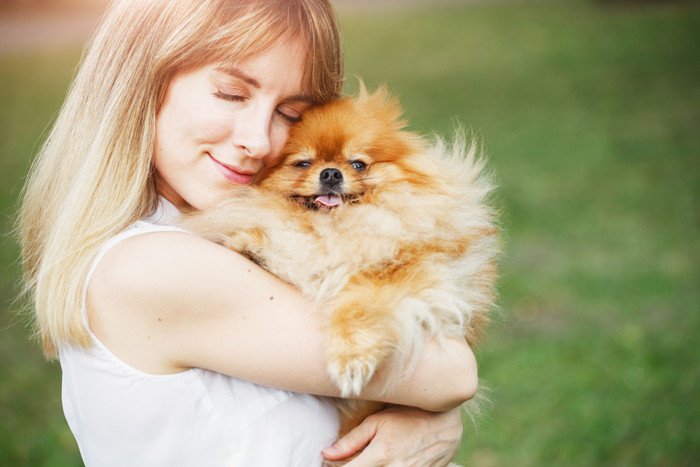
[331,450]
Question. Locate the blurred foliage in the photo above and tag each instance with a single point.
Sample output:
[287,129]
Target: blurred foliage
[33,431]
[590,115]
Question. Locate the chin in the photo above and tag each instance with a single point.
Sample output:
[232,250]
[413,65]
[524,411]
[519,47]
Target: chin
[389,232]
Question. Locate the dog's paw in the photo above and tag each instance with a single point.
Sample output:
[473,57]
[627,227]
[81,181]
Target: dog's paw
[351,373]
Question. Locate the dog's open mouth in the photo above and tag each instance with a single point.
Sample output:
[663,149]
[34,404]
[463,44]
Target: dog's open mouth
[330,201]
[325,201]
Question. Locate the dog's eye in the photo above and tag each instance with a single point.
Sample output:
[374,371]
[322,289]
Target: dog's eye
[302,164]
[358,165]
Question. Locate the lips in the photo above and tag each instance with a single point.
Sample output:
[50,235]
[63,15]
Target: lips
[232,173]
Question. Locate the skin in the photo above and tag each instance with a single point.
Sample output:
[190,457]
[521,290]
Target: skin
[216,117]
[168,301]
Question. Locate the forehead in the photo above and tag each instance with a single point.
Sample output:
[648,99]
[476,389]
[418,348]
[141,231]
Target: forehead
[330,146]
[331,131]
[279,66]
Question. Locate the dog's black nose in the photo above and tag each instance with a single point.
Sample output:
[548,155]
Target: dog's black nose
[331,177]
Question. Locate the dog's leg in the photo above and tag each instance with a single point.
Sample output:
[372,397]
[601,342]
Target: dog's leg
[361,334]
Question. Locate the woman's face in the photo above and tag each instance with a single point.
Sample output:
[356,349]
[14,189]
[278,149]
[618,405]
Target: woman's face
[221,124]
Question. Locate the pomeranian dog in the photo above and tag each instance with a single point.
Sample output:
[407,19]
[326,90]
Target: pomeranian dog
[389,233]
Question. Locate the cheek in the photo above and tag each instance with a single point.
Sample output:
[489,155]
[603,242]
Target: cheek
[214,129]
[186,123]
[166,141]
[278,138]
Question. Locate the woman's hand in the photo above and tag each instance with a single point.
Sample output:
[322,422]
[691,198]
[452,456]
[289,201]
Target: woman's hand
[403,436]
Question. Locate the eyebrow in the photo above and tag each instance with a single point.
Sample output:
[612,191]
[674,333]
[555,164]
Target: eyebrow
[235,72]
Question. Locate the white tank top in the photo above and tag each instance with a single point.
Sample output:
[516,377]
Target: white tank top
[121,416]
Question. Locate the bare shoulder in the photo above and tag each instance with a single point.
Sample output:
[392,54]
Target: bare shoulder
[154,249]
[161,265]
[147,289]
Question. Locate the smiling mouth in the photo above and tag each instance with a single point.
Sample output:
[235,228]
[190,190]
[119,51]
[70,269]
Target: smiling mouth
[231,174]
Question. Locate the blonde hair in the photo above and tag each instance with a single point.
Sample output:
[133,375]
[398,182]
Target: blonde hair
[94,175]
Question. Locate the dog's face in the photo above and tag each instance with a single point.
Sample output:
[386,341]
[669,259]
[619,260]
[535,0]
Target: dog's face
[343,151]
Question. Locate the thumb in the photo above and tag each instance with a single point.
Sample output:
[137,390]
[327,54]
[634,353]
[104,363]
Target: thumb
[352,442]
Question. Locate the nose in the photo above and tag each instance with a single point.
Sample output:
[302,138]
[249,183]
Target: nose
[330,177]
[251,133]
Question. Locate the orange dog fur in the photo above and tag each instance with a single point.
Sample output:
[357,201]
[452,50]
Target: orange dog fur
[389,233]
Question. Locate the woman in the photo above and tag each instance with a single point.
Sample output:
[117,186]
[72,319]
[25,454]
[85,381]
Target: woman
[170,345]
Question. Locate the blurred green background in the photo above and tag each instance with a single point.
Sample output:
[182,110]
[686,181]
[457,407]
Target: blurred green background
[590,114]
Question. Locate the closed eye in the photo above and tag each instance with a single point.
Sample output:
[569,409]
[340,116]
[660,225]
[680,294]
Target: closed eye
[302,164]
[289,118]
[230,97]
[242,98]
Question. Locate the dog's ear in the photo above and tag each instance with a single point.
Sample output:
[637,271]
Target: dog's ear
[362,90]
[381,94]
[379,98]
[385,107]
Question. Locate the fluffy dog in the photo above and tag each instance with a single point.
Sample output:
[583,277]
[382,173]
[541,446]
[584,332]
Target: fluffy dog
[389,233]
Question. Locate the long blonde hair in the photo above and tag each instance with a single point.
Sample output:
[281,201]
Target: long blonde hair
[94,174]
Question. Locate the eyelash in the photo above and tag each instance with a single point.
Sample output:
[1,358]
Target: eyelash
[288,118]
[242,98]
[230,97]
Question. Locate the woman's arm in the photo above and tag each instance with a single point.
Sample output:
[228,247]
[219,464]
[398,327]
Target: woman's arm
[168,301]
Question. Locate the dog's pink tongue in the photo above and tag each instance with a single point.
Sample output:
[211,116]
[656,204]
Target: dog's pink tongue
[329,200]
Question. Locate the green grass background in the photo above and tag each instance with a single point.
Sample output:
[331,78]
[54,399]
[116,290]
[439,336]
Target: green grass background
[590,114]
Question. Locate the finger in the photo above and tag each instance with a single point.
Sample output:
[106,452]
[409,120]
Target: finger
[370,457]
[352,442]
